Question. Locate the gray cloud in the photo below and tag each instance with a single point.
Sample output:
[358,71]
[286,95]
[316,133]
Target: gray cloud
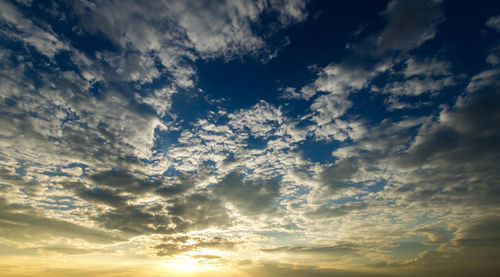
[464,134]
[45,41]
[137,220]
[327,211]
[9,178]
[198,211]
[427,76]
[100,195]
[338,176]
[480,236]
[192,212]
[411,23]
[176,245]
[434,235]
[339,249]
[460,153]
[125,181]
[24,223]
[249,196]
[146,173]
[473,251]
[289,270]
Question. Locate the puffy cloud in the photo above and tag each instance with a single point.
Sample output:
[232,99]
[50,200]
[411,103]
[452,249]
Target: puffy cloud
[262,120]
[339,81]
[93,153]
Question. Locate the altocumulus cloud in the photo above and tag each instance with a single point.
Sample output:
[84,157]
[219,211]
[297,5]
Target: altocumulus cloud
[371,150]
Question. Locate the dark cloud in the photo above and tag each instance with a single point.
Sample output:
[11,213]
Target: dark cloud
[338,176]
[411,23]
[9,178]
[481,237]
[125,181]
[339,249]
[100,195]
[24,223]
[183,183]
[460,153]
[177,245]
[472,252]
[135,220]
[326,211]
[466,133]
[288,270]
[251,197]
[178,211]
[193,212]
[198,211]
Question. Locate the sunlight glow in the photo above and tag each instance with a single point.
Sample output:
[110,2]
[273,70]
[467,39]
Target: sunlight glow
[186,264]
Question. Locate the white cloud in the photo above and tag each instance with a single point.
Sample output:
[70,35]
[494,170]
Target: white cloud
[45,41]
[483,80]
[339,81]
[427,76]
[82,146]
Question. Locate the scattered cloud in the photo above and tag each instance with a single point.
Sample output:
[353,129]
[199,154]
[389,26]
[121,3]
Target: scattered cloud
[385,161]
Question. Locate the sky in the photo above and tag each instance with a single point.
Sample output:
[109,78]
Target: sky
[249,138]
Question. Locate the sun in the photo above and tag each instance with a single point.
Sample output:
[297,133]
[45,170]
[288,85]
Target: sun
[186,265]
[183,264]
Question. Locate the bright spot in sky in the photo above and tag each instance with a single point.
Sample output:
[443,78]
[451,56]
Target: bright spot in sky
[184,264]
[187,264]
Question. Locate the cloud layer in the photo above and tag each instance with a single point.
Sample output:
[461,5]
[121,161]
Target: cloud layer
[384,162]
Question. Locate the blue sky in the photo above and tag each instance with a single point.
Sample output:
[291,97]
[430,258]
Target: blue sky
[241,138]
